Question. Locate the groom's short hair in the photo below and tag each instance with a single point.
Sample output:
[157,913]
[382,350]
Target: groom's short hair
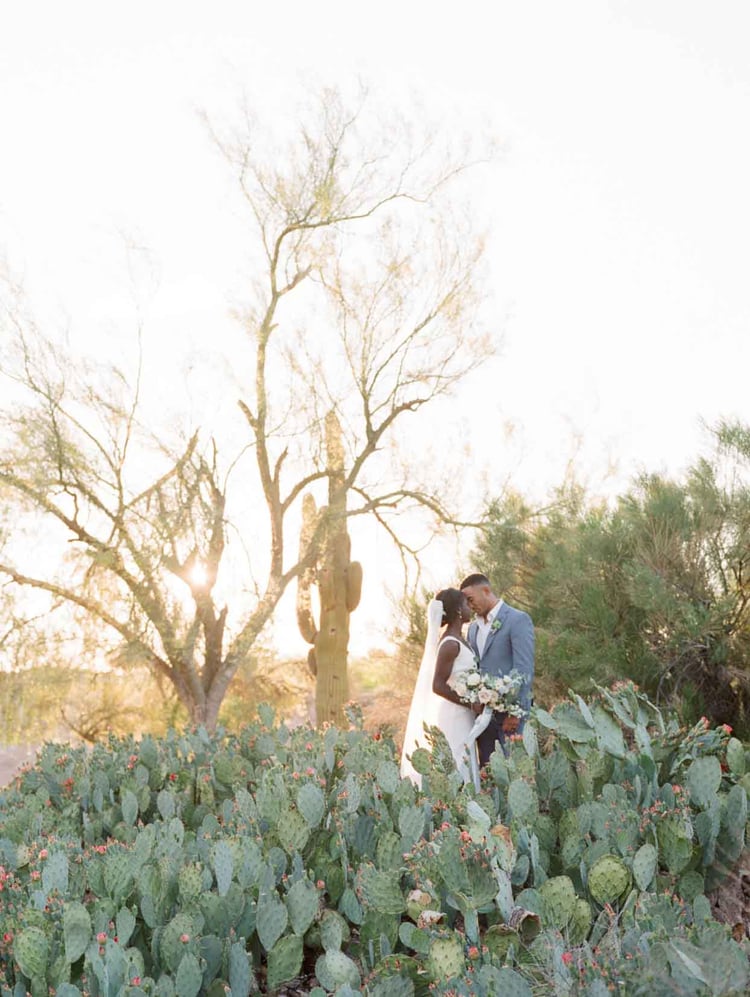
[475,579]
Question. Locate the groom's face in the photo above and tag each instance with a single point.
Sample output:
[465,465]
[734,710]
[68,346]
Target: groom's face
[479,598]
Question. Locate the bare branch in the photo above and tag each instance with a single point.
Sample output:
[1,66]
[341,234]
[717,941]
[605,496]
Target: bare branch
[84,603]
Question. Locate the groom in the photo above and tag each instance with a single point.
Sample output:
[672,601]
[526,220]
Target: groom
[502,638]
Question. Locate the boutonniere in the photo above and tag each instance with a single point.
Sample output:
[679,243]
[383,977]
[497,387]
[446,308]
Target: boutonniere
[495,625]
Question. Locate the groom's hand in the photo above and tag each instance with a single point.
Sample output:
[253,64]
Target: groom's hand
[510,725]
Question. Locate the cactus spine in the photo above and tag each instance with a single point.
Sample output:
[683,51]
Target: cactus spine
[339,582]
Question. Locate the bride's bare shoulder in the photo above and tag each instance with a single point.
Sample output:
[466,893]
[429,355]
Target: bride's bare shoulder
[449,647]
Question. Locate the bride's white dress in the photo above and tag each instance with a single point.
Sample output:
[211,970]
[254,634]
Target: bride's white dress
[454,720]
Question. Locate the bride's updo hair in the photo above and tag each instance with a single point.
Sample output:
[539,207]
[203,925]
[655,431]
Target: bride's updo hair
[451,600]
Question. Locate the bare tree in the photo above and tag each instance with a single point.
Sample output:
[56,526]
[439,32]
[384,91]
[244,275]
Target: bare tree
[364,304]
[136,521]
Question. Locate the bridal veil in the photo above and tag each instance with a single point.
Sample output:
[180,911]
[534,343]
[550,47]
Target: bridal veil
[425,704]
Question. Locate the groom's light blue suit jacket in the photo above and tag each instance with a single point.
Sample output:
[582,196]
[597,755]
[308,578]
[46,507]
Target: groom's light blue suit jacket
[512,646]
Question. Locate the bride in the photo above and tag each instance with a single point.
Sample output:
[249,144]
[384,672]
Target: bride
[434,702]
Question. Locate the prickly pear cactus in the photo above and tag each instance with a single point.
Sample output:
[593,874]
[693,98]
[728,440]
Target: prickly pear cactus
[339,582]
[31,951]
[446,958]
[284,961]
[609,880]
[315,853]
[272,919]
[173,940]
[335,969]
[510,984]
[76,930]
[189,976]
[190,883]
[380,890]
[579,924]
[559,897]
[393,976]
[675,842]
[644,865]
[302,902]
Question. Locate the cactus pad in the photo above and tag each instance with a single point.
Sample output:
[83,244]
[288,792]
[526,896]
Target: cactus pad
[558,895]
[302,903]
[189,976]
[339,969]
[190,883]
[240,975]
[522,799]
[609,879]
[223,863]
[674,835]
[118,874]
[703,779]
[76,930]
[644,865]
[271,920]
[446,958]
[509,983]
[736,757]
[579,924]
[311,803]
[284,961]
[31,952]
[380,890]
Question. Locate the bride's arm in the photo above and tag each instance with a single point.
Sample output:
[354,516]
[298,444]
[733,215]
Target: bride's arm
[447,654]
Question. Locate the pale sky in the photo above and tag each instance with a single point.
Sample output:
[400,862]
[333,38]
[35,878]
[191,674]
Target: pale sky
[619,212]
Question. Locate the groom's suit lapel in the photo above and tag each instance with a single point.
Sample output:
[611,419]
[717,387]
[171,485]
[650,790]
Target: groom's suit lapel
[501,614]
[471,636]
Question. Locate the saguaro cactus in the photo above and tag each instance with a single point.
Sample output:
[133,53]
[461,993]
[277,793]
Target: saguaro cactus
[339,582]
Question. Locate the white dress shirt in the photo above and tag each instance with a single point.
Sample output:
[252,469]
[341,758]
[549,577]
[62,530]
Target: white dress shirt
[484,624]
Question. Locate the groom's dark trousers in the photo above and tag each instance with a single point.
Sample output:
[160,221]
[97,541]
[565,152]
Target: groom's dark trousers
[489,739]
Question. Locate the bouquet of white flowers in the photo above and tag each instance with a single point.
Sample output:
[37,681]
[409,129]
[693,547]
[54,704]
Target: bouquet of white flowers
[498,692]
